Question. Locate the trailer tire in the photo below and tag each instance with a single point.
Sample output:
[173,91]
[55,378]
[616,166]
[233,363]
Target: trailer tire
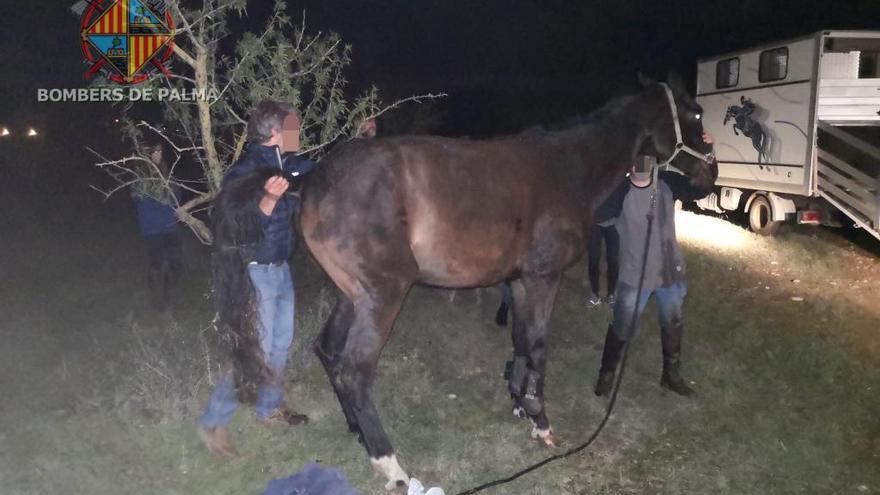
[761,217]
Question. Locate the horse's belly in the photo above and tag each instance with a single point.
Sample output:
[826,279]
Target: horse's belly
[460,258]
[467,214]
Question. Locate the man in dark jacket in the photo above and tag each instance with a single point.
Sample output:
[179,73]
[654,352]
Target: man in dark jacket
[664,274]
[272,129]
[158,225]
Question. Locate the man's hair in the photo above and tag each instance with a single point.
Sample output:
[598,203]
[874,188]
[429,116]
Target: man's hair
[265,117]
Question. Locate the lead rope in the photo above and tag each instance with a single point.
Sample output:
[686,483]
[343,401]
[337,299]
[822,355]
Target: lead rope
[618,376]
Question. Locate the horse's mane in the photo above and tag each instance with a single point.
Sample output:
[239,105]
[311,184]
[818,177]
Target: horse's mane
[578,125]
[596,138]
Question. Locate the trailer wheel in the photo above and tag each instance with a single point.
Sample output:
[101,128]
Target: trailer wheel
[761,217]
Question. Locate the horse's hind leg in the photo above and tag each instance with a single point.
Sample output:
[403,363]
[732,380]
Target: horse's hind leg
[533,303]
[329,346]
[374,315]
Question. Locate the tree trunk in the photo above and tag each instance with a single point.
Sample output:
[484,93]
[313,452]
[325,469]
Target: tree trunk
[214,173]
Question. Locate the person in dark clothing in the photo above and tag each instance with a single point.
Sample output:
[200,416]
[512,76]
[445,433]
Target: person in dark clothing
[273,128]
[664,274]
[603,230]
[506,303]
[158,226]
[368,129]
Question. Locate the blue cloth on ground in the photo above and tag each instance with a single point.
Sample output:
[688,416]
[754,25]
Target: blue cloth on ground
[313,479]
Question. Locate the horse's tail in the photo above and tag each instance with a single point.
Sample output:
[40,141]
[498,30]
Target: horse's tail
[237,230]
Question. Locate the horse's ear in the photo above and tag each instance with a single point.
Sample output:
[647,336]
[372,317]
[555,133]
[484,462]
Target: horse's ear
[675,82]
[644,80]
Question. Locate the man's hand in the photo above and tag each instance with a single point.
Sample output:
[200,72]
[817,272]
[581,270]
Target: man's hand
[707,138]
[273,189]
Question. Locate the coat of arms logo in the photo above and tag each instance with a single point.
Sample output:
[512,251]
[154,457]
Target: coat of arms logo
[128,41]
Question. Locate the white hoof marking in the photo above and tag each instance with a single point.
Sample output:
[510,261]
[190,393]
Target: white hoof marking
[545,436]
[388,467]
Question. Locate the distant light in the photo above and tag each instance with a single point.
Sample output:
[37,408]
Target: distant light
[32,132]
[116,120]
[5,132]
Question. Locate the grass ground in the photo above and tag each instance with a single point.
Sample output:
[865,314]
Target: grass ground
[782,343]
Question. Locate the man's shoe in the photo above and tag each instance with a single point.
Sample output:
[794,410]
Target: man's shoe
[675,383]
[217,441]
[284,416]
[594,300]
[611,299]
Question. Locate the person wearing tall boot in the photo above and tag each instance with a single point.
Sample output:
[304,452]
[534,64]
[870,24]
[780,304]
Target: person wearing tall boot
[664,274]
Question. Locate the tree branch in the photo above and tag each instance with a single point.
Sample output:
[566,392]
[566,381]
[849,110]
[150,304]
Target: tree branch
[187,28]
[186,57]
[284,63]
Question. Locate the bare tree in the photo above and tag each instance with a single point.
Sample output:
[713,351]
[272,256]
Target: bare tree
[284,62]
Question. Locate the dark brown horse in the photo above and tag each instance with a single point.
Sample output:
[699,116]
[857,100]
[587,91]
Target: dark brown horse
[381,215]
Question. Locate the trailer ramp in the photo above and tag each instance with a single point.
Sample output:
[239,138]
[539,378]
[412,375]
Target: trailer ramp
[848,175]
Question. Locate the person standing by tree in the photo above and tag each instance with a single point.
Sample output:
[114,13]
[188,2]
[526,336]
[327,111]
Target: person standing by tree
[368,129]
[154,202]
[273,128]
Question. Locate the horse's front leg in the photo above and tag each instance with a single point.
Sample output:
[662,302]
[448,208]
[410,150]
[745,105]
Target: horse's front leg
[533,298]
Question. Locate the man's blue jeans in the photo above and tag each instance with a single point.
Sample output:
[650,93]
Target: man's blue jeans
[669,301]
[275,300]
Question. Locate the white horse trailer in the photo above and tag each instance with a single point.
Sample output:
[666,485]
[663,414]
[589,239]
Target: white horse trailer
[797,130]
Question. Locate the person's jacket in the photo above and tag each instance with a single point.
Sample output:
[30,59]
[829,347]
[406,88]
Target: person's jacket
[664,262]
[155,217]
[679,184]
[277,240]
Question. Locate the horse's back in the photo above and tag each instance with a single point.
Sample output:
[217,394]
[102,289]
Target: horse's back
[448,212]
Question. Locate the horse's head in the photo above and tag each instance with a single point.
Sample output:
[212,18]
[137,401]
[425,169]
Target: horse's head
[674,131]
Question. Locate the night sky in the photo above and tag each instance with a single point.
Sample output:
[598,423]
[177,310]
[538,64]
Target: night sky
[506,64]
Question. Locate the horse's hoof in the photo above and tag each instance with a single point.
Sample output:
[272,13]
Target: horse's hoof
[547,437]
[397,487]
[519,412]
[398,480]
